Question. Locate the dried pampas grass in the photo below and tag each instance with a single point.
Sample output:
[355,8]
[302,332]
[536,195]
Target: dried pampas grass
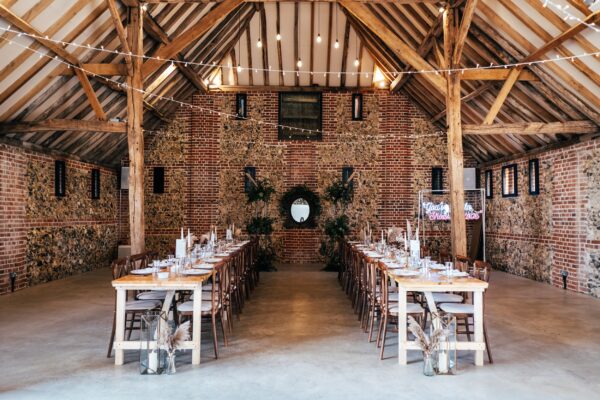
[427,345]
[172,342]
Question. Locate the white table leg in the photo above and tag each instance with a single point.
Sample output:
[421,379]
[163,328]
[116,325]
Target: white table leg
[402,351]
[168,300]
[478,324]
[120,324]
[197,319]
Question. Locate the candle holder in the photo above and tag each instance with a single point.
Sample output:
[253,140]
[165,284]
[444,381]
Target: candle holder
[153,360]
[445,355]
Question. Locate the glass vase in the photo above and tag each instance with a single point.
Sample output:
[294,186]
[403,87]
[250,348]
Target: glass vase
[171,364]
[428,367]
[445,354]
[152,358]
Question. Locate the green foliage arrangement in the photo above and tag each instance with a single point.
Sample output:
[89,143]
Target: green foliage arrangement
[260,226]
[262,190]
[336,228]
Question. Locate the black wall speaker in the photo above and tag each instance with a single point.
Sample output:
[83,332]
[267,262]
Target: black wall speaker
[95,184]
[60,178]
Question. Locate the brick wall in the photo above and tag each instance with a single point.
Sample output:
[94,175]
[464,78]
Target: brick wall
[27,220]
[539,236]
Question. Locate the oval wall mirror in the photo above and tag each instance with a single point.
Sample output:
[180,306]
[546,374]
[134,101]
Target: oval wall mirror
[300,210]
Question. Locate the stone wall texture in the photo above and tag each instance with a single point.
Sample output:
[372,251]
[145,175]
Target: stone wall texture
[44,237]
[392,151]
[540,236]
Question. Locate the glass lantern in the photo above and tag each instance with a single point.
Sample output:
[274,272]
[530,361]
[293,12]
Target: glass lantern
[445,355]
[153,360]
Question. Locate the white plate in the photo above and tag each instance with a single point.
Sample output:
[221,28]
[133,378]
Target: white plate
[222,255]
[143,271]
[405,272]
[372,254]
[194,272]
[437,267]
[203,266]
[454,274]
[213,260]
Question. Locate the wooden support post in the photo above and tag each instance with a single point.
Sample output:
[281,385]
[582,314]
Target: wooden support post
[455,147]
[135,134]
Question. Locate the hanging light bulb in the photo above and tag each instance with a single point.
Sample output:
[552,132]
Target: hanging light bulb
[356,62]
[299,63]
[336,44]
[239,68]
[259,43]
[319,38]
[278,37]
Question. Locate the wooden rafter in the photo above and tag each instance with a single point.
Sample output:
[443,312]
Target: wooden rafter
[533,128]
[345,52]
[249,51]
[60,52]
[186,38]
[265,47]
[312,42]
[279,58]
[296,43]
[50,125]
[465,23]
[116,17]
[329,42]
[533,56]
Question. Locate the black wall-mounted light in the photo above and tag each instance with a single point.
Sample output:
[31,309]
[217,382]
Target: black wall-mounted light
[437,180]
[95,184]
[357,106]
[489,184]
[249,175]
[60,178]
[158,182]
[534,177]
[241,106]
[347,175]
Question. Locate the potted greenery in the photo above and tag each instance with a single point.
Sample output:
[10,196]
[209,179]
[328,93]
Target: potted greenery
[336,228]
[261,225]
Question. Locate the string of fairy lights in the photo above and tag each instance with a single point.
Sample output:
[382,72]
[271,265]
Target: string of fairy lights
[18,33]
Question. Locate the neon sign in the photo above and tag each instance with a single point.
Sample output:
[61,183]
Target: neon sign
[441,211]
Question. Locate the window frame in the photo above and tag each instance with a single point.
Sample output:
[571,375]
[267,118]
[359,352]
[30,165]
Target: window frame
[515,170]
[535,163]
[299,136]
[437,172]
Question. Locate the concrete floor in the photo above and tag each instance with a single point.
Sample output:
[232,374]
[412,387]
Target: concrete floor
[297,339]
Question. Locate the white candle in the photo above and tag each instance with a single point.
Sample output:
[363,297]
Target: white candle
[442,362]
[153,361]
[182,232]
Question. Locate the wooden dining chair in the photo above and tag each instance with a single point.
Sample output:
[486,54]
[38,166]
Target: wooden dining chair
[133,308]
[212,309]
[390,310]
[464,311]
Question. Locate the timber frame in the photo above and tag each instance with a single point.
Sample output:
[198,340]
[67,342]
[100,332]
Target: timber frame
[494,113]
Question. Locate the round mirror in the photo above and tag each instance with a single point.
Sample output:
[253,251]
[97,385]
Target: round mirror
[300,210]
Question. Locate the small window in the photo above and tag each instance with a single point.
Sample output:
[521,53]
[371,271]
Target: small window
[357,107]
[241,106]
[300,116]
[249,178]
[95,184]
[489,184]
[159,180]
[534,177]
[509,181]
[60,178]
[347,173]
[437,180]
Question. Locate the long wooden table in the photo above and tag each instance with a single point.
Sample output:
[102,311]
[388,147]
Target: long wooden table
[429,285]
[170,285]
[442,284]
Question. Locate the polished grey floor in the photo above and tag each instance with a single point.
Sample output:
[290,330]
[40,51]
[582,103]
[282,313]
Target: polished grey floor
[297,339]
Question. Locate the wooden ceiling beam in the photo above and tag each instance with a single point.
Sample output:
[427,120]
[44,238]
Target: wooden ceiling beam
[406,53]
[61,52]
[155,30]
[49,125]
[279,57]
[265,45]
[463,30]
[104,69]
[533,56]
[345,53]
[296,43]
[117,21]
[182,41]
[534,128]
[496,75]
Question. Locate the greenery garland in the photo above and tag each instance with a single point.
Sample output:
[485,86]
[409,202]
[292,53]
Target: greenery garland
[339,193]
[294,193]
